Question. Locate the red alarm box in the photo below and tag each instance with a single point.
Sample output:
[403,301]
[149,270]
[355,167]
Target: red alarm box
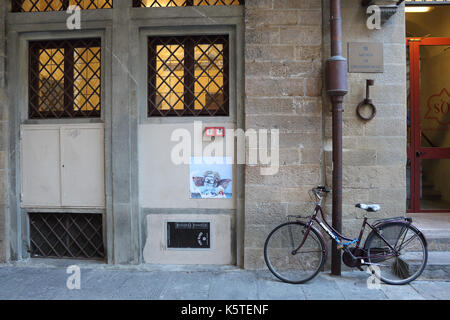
[215,132]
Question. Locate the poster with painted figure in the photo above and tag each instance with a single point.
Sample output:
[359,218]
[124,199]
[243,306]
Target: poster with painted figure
[211,178]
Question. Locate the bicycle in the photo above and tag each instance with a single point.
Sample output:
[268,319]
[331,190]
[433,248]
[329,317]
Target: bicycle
[296,251]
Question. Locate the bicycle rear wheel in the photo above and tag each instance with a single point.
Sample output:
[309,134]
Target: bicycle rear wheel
[289,267]
[408,263]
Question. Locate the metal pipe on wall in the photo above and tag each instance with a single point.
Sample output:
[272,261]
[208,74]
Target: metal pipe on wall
[337,88]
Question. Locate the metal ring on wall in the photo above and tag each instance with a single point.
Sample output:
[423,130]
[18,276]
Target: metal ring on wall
[366,103]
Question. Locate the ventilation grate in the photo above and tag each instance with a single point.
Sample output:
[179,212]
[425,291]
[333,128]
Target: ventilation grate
[66,235]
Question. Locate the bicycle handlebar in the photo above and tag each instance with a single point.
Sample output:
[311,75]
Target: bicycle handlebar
[319,192]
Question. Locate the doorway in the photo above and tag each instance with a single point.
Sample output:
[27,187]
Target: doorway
[428,141]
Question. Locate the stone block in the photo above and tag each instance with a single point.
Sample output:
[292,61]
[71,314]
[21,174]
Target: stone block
[257,69]
[256,236]
[254,259]
[294,69]
[391,157]
[262,35]
[3,188]
[254,177]
[290,156]
[264,209]
[258,193]
[310,18]
[308,105]
[3,159]
[275,88]
[309,53]
[303,175]
[297,4]
[303,209]
[269,52]
[386,127]
[313,87]
[260,17]
[254,4]
[359,177]
[285,123]
[303,35]
[270,106]
[298,194]
[359,157]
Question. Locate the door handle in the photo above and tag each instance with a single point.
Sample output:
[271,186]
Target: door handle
[419,153]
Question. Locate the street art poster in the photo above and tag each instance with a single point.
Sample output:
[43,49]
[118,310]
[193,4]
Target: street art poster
[211,178]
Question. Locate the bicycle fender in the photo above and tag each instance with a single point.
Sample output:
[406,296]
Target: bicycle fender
[406,222]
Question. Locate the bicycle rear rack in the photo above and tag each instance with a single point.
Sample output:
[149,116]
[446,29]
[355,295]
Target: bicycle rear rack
[379,221]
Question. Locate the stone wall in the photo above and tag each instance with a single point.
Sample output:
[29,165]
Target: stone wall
[374,152]
[283,79]
[287,43]
[3,137]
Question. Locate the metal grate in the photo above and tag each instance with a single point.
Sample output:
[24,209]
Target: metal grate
[64,78]
[58,5]
[188,76]
[66,235]
[185,3]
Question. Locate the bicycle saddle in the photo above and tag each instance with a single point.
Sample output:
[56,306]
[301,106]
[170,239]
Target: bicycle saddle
[368,207]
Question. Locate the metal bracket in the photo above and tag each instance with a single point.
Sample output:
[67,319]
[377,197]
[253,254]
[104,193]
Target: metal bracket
[367,102]
[387,10]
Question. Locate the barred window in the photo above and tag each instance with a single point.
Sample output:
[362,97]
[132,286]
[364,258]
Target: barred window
[58,5]
[185,3]
[188,76]
[64,78]
[66,235]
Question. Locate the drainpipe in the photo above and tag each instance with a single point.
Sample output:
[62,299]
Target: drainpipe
[336,80]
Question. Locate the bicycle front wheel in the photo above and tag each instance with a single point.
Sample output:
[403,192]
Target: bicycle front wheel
[290,266]
[406,262]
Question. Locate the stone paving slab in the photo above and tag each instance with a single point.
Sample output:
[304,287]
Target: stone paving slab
[270,288]
[165,283]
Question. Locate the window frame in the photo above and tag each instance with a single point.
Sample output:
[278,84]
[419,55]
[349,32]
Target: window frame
[189,73]
[189,3]
[16,7]
[69,80]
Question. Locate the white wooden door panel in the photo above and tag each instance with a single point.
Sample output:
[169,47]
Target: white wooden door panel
[63,165]
[40,166]
[82,159]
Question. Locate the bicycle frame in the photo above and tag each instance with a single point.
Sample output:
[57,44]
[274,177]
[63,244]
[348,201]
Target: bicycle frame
[338,237]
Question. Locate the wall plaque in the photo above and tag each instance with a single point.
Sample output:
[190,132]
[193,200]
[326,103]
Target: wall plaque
[188,235]
[365,57]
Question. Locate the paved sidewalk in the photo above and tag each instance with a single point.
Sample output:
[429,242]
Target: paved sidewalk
[199,283]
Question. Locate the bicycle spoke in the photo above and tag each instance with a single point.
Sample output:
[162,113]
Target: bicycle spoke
[308,251]
[402,245]
[298,267]
[406,262]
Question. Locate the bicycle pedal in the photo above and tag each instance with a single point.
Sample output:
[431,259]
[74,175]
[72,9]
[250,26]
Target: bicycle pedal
[340,247]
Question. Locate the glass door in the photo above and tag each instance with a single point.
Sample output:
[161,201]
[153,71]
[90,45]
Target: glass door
[429,145]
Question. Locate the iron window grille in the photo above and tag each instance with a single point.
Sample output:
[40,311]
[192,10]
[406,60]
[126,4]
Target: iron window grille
[66,235]
[58,5]
[188,76]
[64,78]
[185,3]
